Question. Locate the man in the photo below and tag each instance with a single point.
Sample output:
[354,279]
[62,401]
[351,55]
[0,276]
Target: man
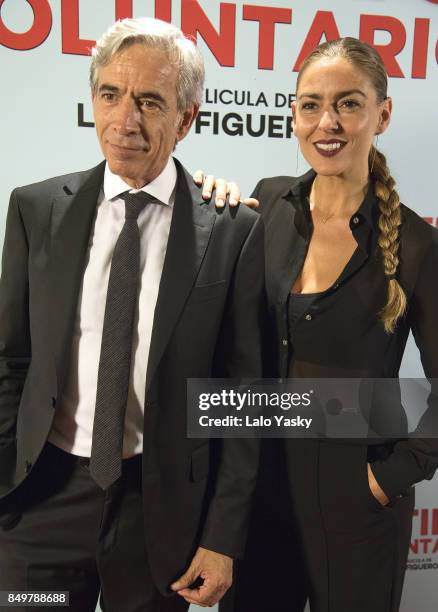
[100,488]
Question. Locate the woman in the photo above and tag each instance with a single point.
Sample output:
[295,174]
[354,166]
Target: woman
[349,272]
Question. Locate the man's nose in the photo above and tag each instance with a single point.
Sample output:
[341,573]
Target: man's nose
[127,119]
[329,120]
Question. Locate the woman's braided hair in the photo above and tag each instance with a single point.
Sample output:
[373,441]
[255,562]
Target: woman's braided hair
[365,58]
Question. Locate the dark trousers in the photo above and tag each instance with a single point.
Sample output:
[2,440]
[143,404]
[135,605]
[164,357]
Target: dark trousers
[70,535]
[318,533]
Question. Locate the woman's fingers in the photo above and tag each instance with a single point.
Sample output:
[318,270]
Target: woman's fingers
[223,189]
[251,202]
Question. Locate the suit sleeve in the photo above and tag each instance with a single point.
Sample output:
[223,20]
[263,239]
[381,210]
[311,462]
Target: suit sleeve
[239,355]
[416,459]
[15,348]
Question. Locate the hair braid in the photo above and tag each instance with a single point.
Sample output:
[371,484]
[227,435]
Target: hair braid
[389,223]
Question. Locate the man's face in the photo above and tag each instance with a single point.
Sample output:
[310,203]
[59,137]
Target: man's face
[136,115]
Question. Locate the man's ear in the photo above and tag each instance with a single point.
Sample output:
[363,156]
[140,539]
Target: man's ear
[186,121]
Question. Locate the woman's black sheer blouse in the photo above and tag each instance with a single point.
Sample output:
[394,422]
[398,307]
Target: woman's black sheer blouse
[340,334]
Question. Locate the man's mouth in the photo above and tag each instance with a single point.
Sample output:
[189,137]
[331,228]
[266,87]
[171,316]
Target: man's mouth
[125,152]
[124,147]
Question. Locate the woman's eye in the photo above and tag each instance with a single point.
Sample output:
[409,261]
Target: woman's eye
[348,105]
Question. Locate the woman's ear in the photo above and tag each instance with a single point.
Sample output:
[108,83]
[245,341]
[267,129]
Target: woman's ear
[293,108]
[384,115]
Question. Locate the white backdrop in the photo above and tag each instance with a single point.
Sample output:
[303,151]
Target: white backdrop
[250,52]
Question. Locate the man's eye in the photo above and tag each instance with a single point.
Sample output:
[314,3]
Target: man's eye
[308,106]
[108,97]
[149,104]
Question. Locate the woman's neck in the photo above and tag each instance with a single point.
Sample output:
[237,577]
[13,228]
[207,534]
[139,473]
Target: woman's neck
[334,196]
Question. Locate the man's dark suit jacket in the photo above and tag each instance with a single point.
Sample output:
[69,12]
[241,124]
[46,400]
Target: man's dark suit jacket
[208,322]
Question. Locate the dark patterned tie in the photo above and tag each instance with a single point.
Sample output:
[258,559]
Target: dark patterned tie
[116,348]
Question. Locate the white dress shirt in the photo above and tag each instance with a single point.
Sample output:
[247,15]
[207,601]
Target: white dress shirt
[72,428]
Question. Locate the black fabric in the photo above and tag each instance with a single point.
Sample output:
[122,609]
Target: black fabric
[351,549]
[343,336]
[298,304]
[210,297]
[72,536]
[354,549]
[116,348]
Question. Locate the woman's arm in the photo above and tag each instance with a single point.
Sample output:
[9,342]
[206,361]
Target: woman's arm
[416,459]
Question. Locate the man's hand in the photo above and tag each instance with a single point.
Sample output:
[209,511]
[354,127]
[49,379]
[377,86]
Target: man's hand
[217,572]
[223,188]
[376,490]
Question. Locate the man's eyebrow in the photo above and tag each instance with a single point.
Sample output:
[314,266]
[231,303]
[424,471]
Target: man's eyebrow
[339,95]
[152,95]
[143,94]
[313,96]
[107,87]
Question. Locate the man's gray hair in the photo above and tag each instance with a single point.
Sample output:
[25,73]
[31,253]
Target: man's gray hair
[156,34]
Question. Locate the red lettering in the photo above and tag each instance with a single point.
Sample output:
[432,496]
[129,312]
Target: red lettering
[432,221]
[267,17]
[324,24]
[368,26]
[424,526]
[222,44]
[421,44]
[123,9]
[36,35]
[414,547]
[435,510]
[435,548]
[71,43]
[425,542]
[163,10]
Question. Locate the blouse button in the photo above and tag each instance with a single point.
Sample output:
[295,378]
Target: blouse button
[308,317]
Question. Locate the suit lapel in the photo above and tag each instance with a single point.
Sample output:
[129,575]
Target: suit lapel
[71,221]
[190,230]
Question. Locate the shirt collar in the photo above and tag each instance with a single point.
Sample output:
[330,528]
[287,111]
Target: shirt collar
[367,211]
[161,187]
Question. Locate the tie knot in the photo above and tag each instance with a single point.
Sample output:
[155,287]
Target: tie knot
[135,202]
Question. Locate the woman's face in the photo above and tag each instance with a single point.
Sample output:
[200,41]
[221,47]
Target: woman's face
[335,117]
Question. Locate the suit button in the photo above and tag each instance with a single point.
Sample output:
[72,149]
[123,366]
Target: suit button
[27,466]
[355,220]
[308,317]
[284,342]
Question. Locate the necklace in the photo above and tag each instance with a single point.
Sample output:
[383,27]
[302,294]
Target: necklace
[322,218]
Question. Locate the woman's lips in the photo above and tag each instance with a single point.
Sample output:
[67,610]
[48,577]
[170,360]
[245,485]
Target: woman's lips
[329,148]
